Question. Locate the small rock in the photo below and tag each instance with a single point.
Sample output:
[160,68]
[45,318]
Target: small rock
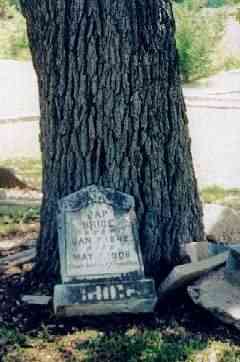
[221,223]
[36,299]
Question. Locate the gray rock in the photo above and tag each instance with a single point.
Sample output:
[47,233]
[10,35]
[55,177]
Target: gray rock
[216,294]
[232,271]
[215,248]
[182,275]
[219,292]
[197,251]
[222,223]
[36,299]
[18,259]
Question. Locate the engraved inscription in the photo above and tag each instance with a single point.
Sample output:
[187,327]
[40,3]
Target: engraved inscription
[106,293]
[100,241]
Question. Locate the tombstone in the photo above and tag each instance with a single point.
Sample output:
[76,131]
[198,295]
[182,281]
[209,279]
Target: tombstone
[101,264]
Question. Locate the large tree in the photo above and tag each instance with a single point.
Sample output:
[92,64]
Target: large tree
[113,114]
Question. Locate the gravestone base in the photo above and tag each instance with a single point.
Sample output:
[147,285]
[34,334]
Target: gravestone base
[101,298]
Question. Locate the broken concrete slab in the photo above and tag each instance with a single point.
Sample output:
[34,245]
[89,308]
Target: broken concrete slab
[36,299]
[217,248]
[182,275]
[8,245]
[216,294]
[197,251]
[232,270]
[18,259]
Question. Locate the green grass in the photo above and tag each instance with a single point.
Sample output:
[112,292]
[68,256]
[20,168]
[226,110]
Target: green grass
[29,169]
[18,219]
[217,194]
[231,63]
[13,35]
[15,219]
[132,345]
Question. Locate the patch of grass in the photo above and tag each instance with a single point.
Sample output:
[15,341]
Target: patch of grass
[136,345]
[219,195]
[213,194]
[29,169]
[133,345]
[21,219]
[13,35]
[231,63]
[12,336]
[18,219]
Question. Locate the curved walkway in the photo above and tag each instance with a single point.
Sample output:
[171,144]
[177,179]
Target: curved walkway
[213,110]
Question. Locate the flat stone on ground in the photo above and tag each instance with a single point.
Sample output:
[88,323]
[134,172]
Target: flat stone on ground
[218,296]
[36,299]
[197,251]
[182,275]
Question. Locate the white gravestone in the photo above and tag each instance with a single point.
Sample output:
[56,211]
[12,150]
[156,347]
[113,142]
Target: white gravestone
[101,264]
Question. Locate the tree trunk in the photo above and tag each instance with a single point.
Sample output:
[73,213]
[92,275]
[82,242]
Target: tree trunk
[113,114]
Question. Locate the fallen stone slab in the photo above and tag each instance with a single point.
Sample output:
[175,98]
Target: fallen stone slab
[218,296]
[8,245]
[36,299]
[17,259]
[182,275]
[197,251]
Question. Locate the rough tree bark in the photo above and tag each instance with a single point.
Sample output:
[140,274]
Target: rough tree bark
[113,114]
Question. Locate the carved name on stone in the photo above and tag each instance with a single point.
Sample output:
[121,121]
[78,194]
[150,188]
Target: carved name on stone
[99,236]
[97,292]
[100,257]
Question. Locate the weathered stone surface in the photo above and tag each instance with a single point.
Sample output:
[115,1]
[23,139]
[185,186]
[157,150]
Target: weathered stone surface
[197,251]
[8,245]
[215,248]
[232,270]
[36,299]
[182,275]
[100,256]
[98,235]
[105,298]
[216,294]
[222,223]
[20,258]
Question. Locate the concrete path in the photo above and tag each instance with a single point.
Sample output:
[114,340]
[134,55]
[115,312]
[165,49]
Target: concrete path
[18,90]
[213,110]
[19,139]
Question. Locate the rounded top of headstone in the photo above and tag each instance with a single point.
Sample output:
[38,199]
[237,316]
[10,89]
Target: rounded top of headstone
[96,194]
